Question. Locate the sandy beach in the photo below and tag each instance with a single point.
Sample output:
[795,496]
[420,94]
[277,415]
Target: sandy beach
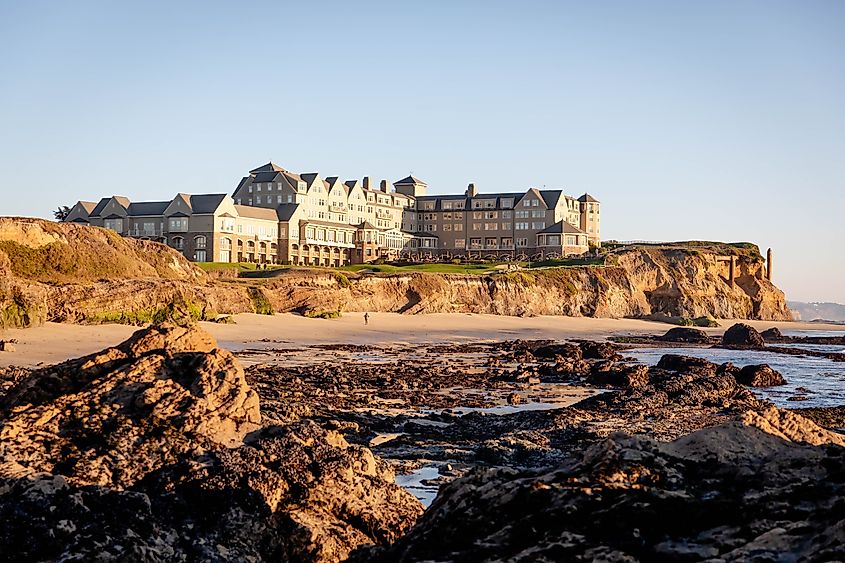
[54,342]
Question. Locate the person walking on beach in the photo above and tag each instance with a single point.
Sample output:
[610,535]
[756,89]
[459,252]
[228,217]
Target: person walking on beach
[366,318]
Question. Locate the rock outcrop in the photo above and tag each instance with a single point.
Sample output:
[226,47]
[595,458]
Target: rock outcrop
[760,376]
[685,335]
[70,273]
[760,486]
[742,335]
[153,450]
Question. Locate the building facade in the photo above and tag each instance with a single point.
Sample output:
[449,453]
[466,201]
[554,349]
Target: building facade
[280,217]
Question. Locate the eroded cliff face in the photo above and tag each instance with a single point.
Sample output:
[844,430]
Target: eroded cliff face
[68,273]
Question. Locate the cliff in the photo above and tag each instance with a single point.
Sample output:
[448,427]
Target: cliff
[68,273]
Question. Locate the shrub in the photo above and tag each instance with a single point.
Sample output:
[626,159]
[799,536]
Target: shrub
[342,280]
[322,314]
[260,303]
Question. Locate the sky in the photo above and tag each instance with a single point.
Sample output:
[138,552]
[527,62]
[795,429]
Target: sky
[718,120]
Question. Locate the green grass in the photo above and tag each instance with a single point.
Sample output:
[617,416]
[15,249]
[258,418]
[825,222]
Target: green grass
[260,303]
[240,266]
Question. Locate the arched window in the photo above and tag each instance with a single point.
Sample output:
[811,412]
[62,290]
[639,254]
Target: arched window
[225,244]
[178,242]
[199,241]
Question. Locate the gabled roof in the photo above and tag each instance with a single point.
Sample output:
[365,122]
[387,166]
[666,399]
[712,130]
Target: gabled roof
[367,225]
[100,206]
[271,176]
[252,212]
[88,206]
[285,211]
[409,181]
[206,203]
[310,177]
[269,167]
[551,197]
[562,227]
[588,198]
[124,201]
[147,208]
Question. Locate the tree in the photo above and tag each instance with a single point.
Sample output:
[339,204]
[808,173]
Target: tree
[61,213]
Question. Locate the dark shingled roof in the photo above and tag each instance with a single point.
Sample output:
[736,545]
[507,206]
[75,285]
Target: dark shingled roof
[206,203]
[588,198]
[100,205]
[562,227]
[269,167]
[285,211]
[551,197]
[147,208]
[409,181]
[309,178]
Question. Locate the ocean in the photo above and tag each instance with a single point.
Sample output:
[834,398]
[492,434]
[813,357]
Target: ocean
[811,382]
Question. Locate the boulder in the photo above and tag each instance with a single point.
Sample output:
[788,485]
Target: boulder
[772,334]
[564,350]
[742,335]
[592,350]
[686,364]
[625,376]
[686,334]
[759,376]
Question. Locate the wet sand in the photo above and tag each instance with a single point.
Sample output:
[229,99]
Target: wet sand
[57,342]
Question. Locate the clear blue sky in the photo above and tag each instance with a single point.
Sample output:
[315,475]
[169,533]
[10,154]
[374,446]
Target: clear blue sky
[707,120]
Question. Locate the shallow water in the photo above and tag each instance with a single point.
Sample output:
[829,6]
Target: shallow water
[821,381]
[413,483]
[823,333]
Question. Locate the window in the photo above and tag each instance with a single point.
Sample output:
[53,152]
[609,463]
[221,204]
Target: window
[490,226]
[178,225]
[491,243]
[447,227]
[535,202]
[538,213]
[258,187]
[446,205]
[521,214]
[538,225]
[199,256]
[476,226]
[522,242]
[460,243]
[506,214]
[475,243]
[526,203]
[199,241]
[178,243]
[249,189]
[507,203]
[459,227]
[114,224]
[225,244]
[490,215]
[279,198]
[522,226]
[507,243]
[506,226]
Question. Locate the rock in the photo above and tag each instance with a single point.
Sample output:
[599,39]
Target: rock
[152,450]
[592,350]
[685,334]
[687,364]
[515,399]
[565,351]
[760,376]
[624,376]
[757,487]
[772,334]
[742,335]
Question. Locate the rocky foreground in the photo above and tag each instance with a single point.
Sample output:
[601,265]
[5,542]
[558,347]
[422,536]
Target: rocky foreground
[155,451]
[158,450]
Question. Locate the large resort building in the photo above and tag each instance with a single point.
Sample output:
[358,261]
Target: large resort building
[276,216]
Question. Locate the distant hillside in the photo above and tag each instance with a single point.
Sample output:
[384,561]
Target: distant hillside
[818,311]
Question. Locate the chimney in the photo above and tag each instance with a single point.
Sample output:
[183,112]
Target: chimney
[385,186]
[367,183]
[472,191]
